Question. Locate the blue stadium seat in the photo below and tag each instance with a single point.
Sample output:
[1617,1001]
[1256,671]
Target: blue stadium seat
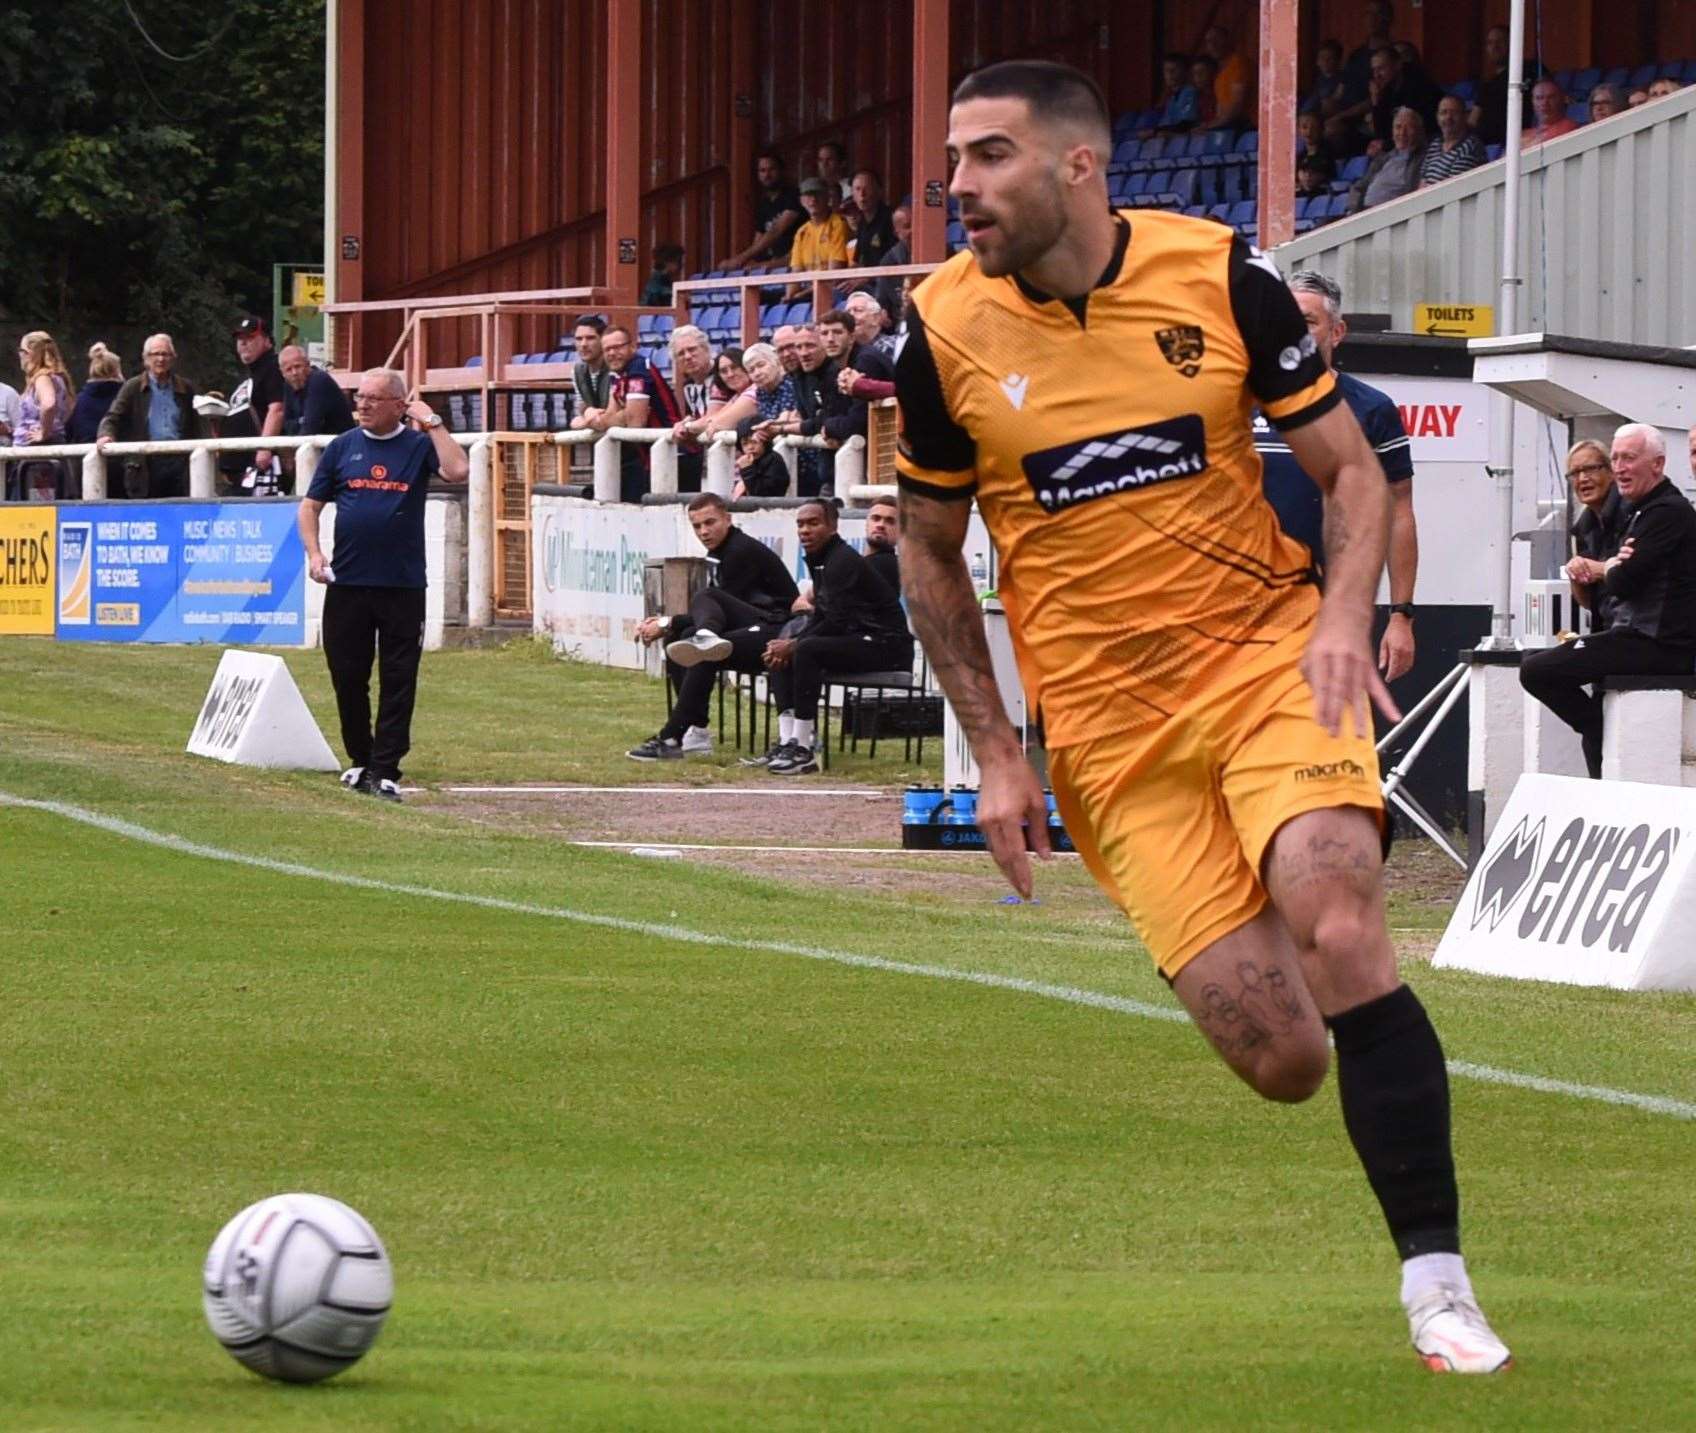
[1492,152]
[561,355]
[1688,73]
[1248,142]
[1639,78]
[1195,211]
[1207,186]
[474,412]
[1563,78]
[1127,151]
[1244,211]
[1354,169]
[956,235]
[1338,206]
[1583,82]
[645,324]
[1671,70]
[1183,185]
[538,406]
[1221,212]
[456,412]
[1466,89]
[559,411]
[517,416]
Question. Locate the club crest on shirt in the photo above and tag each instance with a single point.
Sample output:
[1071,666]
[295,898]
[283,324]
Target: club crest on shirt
[1183,347]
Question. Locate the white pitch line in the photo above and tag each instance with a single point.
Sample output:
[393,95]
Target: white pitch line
[869,794]
[1071,995]
[797,850]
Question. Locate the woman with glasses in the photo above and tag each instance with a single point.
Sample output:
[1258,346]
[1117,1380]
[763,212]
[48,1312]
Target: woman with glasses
[1598,528]
[43,408]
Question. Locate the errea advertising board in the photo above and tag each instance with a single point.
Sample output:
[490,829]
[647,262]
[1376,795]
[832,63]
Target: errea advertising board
[1586,883]
[231,573]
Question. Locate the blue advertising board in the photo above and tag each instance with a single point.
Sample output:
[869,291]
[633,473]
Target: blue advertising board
[232,573]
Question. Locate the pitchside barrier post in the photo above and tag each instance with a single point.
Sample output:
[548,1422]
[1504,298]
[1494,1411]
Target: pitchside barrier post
[1585,883]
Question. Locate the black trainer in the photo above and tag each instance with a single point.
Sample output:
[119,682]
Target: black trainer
[794,760]
[657,748]
[766,757]
[385,790]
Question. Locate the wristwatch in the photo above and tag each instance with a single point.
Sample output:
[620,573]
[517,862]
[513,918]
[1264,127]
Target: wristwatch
[433,421]
[1397,609]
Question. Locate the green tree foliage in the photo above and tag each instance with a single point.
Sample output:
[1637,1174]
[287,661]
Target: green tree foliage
[139,192]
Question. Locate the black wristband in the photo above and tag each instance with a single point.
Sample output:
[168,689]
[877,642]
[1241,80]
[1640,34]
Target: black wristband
[1402,609]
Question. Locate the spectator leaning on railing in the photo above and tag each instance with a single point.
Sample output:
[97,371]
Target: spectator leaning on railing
[44,407]
[700,393]
[1650,588]
[1394,172]
[313,402]
[153,407]
[105,378]
[777,212]
[1456,148]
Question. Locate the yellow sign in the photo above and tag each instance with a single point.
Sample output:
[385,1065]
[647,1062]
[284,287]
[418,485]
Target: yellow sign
[308,291]
[27,544]
[1454,320]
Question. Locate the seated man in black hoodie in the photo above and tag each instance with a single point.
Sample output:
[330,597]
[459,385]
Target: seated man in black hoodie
[730,624]
[856,625]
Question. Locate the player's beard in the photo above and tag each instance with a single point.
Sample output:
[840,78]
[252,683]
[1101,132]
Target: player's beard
[1029,227]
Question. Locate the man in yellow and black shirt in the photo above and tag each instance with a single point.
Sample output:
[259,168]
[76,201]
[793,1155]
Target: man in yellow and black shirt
[1089,377]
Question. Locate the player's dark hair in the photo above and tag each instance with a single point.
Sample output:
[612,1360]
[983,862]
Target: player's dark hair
[836,147]
[1054,92]
[590,320]
[824,505]
[772,155]
[836,316]
[702,501]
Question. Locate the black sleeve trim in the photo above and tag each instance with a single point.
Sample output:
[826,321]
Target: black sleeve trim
[1306,415]
[936,490]
[1272,328]
[930,438]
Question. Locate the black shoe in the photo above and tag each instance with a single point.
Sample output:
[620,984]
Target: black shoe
[766,757]
[794,760]
[657,748]
[385,790]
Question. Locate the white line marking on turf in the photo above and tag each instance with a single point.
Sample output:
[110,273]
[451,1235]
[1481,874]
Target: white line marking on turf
[1071,995]
[869,793]
[800,850]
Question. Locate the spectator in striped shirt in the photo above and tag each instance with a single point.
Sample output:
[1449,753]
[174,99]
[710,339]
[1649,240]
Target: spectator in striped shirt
[1456,148]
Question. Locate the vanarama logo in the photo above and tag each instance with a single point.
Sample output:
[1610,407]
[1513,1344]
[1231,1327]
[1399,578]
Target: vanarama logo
[1330,771]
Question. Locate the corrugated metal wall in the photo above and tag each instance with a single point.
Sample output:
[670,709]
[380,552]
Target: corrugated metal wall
[1607,236]
[484,147]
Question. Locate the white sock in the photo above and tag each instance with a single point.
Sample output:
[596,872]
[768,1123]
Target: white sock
[786,726]
[1425,1272]
[804,733]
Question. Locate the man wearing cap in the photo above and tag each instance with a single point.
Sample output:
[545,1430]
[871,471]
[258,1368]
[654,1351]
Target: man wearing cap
[256,409]
[822,242]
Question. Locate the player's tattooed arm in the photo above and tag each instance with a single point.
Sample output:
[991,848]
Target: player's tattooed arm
[945,614]
[1338,663]
[948,620]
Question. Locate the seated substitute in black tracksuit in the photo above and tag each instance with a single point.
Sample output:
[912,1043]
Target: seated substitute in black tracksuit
[856,625]
[750,597]
[1648,593]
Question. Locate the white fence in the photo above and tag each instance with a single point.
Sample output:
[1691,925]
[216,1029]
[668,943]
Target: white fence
[719,476]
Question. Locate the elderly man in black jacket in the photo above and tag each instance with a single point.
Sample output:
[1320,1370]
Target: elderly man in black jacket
[1650,591]
[856,625]
[157,406]
[729,625]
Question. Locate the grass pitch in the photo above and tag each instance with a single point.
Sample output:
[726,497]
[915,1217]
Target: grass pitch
[635,1182]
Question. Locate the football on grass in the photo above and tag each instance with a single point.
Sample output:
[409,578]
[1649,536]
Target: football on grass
[297,1287]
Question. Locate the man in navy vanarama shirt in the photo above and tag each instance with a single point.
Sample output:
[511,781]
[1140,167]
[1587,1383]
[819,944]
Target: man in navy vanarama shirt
[377,475]
[1297,500]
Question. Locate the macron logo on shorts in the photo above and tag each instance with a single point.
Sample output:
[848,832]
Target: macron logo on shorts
[1117,462]
[1330,771]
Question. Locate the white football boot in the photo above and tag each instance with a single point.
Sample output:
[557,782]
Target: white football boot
[1451,1334]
